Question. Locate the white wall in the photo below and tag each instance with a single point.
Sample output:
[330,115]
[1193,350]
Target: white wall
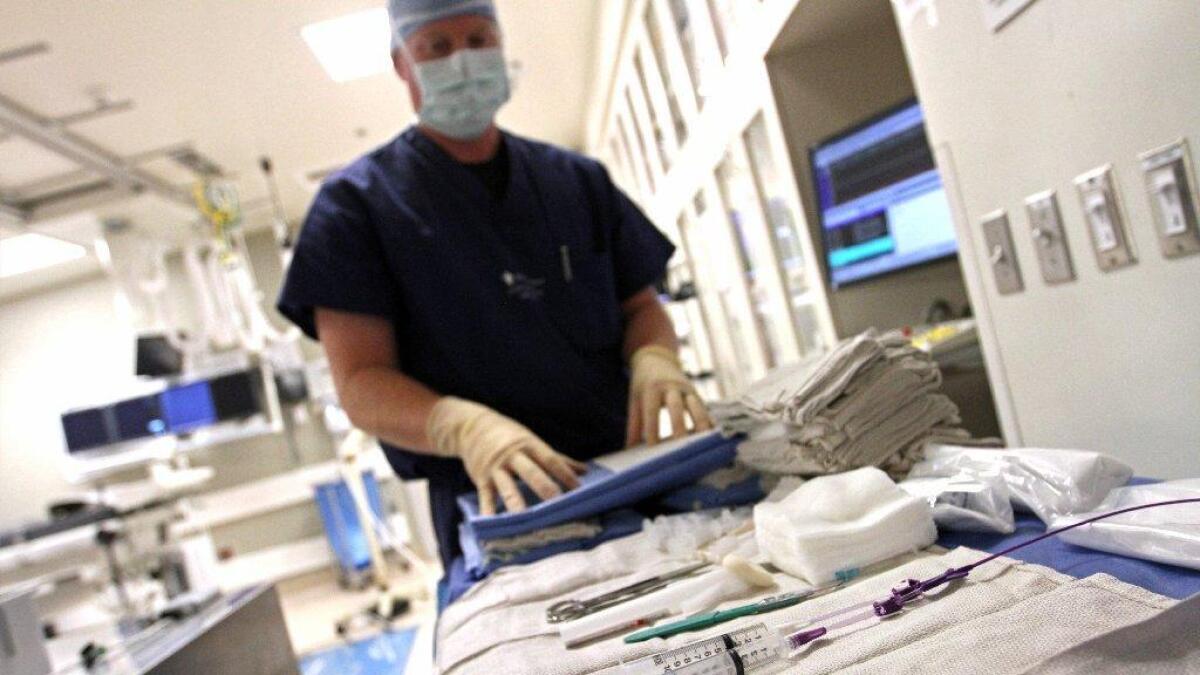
[835,76]
[57,349]
[1110,361]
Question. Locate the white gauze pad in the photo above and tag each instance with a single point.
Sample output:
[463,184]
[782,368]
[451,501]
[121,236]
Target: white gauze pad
[831,526]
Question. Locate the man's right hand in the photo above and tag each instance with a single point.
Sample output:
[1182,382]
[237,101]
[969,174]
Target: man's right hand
[497,450]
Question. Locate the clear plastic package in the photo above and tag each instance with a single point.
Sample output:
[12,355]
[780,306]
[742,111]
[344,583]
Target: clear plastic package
[1168,534]
[968,501]
[1047,482]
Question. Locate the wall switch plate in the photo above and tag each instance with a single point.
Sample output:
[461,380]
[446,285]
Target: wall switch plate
[1105,218]
[1049,238]
[1171,185]
[1001,254]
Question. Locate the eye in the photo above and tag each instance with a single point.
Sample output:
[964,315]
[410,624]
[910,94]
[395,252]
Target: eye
[440,47]
[483,38]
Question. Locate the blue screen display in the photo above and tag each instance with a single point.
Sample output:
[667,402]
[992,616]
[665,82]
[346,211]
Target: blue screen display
[880,197]
[139,418]
[187,407]
[86,429]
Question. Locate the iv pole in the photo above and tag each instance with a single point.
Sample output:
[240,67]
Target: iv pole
[386,608]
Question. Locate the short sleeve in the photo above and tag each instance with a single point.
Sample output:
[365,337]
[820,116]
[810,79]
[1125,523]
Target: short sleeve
[338,263]
[640,251]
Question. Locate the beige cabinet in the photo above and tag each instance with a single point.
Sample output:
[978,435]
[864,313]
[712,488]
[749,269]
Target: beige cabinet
[689,125]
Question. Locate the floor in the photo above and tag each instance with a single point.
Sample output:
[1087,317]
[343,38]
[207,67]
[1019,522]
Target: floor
[313,603]
[385,654]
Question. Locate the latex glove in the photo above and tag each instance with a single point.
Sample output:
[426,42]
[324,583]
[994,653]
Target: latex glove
[496,450]
[658,381]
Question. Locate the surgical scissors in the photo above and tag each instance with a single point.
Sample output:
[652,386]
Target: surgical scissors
[569,610]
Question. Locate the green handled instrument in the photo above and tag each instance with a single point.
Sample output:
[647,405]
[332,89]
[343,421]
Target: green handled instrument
[708,619]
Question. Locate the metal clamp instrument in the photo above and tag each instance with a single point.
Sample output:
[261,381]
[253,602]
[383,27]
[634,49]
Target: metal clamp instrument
[568,610]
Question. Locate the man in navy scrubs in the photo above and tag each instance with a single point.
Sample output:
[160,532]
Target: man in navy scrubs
[486,302]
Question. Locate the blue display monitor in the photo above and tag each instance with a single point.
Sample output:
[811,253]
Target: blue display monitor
[139,418]
[880,197]
[178,409]
[188,407]
[87,429]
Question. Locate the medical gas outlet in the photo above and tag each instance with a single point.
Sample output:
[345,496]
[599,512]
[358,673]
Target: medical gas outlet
[1105,218]
[1171,185]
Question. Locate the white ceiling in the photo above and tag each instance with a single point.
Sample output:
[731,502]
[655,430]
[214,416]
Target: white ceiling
[236,80]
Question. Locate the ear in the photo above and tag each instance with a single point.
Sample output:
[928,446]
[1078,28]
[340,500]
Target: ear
[400,64]
[404,70]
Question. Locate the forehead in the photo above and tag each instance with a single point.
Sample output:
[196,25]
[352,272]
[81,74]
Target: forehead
[454,28]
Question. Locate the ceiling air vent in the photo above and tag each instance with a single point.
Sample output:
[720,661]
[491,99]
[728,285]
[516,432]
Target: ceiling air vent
[314,178]
[195,162]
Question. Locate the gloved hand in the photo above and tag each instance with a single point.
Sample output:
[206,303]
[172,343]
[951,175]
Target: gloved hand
[658,381]
[494,449]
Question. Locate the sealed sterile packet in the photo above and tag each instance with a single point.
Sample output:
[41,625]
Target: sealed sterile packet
[1168,535]
[967,501]
[1047,482]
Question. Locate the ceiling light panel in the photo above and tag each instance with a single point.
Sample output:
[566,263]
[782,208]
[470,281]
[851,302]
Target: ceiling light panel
[351,46]
[32,251]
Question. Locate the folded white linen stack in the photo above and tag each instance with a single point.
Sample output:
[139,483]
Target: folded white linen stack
[832,526]
[872,401]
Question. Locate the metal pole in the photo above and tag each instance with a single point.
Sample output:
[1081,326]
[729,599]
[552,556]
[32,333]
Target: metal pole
[23,122]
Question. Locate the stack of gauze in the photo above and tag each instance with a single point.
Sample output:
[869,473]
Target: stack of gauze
[832,526]
[872,401]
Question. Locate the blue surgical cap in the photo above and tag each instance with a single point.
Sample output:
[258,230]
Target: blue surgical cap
[410,15]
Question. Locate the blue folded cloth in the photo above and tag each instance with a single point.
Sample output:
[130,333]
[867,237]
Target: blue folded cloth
[698,496]
[453,584]
[479,563]
[603,490]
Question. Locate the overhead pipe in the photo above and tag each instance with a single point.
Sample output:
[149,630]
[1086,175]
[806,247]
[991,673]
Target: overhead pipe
[35,189]
[12,213]
[45,132]
[103,108]
[24,51]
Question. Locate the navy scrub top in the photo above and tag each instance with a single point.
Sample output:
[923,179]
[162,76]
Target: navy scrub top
[513,302]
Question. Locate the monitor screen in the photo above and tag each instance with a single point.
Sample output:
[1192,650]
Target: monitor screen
[880,198]
[87,429]
[237,395]
[188,406]
[139,418]
[156,357]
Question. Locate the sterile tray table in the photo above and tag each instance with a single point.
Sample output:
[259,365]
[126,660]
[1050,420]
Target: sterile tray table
[499,627]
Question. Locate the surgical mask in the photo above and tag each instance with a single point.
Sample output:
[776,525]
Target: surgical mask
[461,93]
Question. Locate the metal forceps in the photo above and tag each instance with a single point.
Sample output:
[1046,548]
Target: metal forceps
[568,610]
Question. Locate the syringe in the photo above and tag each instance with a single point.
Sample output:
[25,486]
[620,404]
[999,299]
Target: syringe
[734,653]
[847,616]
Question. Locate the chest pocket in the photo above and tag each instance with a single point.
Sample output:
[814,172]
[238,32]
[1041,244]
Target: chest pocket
[590,313]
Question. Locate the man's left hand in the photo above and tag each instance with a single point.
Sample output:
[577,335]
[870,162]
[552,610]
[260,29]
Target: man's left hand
[658,382]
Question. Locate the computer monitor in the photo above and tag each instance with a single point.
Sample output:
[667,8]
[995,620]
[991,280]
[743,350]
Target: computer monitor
[882,206]
[140,417]
[187,407]
[157,357]
[88,429]
[237,395]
